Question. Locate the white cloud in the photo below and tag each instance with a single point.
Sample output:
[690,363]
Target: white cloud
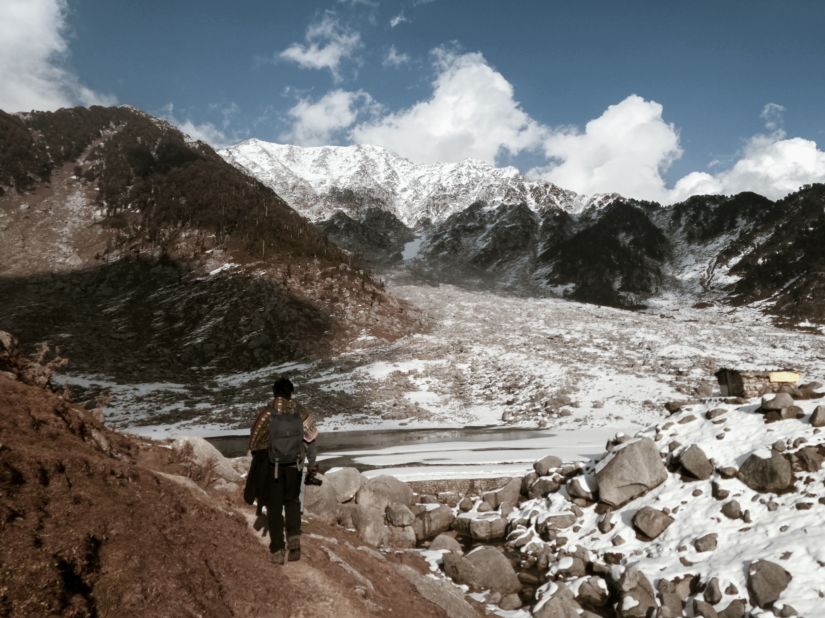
[398,20]
[315,123]
[394,58]
[328,44]
[773,116]
[33,53]
[471,113]
[206,131]
[625,150]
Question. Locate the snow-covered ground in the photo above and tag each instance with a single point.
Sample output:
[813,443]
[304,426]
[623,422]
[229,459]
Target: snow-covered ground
[490,360]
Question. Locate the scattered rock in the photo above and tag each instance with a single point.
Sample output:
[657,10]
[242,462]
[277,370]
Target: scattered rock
[509,493]
[651,522]
[777,403]
[545,464]
[630,472]
[706,543]
[736,609]
[466,504]
[695,463]
[485,527]
[773,474]
[818,416]
[543,487]
[809,458]
[703,609]
[561,604]
[713,593]
[584,487]
[510,602]
[766,581]
[593,593]
[716,412]
[636,594]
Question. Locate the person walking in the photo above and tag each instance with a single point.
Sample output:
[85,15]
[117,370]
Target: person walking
[282,442]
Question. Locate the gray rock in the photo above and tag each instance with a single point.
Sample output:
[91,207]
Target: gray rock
[369,522]
[346,482]
[510,602]
[818,416]
[583,486]
[445,541]
[561,605]
[345,515]
[545,464]
[773,474]
[636,593]
[558,522]
[381,491]
[732,510]
[792,412]
[766,581]
[779,401]
[703,609]
[439,592]
[526,481]
[401,536]
[465,504]
[715,413]
[543,487]
[630,472]
[484,527]
[713,592]
[484,568]
[674,594]
[809,458]
[735,609]
[651,522]
[432,522]
[706,543]
[509,493]
[399,515]
[321,501]
[593,593]
[695,463]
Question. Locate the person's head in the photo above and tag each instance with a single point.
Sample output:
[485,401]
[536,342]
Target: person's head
[283,388]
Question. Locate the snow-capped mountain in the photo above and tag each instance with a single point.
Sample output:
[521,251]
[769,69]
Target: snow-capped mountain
[319,181]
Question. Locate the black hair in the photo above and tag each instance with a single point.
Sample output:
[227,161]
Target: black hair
[283,387]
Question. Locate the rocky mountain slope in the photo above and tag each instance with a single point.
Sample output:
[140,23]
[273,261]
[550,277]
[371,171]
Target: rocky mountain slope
[320,181]
[95,523]
[475,224]
[144,253]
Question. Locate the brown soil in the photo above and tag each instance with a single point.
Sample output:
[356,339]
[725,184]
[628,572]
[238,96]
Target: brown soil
[88,527]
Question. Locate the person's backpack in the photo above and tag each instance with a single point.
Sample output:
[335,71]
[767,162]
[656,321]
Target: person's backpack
[286,437]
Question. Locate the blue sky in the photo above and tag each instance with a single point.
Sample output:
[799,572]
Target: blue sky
[393,72]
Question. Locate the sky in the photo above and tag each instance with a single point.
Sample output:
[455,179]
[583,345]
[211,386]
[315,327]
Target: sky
[655,100]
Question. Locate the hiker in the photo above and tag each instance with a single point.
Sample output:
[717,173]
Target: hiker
[282,437]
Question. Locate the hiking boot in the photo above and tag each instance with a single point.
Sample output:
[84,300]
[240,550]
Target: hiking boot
[294,546]
[278,557]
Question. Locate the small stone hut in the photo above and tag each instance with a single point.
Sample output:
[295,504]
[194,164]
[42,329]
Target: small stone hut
[739,383]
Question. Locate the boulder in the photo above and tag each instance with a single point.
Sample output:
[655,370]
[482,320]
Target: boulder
[706,543]
[446,542]
[545,464]
[381,491]
[651,522]
[321,501]
[399,515]
[695,463]
[818,416]
[202,454]
[703,609]
[432,522]
[401,536]
[560,604]
[509,493]
[637,597]
[593,593]
[346,482]
[543,487]
[766,581]
[773,473]
[713,592]
[810,458]
[735,609]
[732,509]
[484,527]
[440,592]
[484,568]
[510,602]
[777,402]
[583,486]
[526,481]
[369,522]
[629,472]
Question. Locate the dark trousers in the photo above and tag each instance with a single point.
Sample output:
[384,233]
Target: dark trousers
[284,497]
